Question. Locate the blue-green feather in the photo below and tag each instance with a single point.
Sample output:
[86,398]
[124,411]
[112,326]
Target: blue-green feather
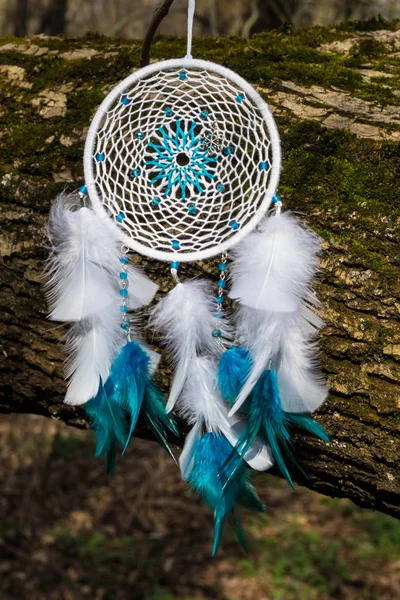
[128,392]
[109,423]
[234,368]
[210,459]
[129,377]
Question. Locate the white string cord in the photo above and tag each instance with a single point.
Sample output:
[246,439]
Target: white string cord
[191,8]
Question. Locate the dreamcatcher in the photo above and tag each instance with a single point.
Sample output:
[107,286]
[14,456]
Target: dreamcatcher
[182,163]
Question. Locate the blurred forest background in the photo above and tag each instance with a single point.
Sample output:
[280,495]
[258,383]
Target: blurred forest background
[69,532]
[130,18]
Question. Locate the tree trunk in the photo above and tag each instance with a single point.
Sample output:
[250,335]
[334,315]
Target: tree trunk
[336,100]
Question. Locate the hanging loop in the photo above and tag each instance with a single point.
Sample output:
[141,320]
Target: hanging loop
[191,9]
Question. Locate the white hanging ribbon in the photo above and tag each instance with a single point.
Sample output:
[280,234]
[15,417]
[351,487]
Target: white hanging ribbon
[191,8]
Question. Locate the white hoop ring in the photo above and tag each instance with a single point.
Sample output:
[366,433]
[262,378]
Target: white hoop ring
[90,181]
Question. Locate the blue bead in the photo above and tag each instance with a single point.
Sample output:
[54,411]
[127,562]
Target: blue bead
[125,100]
[220,187]
[120,217]
[175,245]
[123,293]
[123,308]
[219,315]
[221,283]
[276,199]
[222,267]
[219,299]
[168,111]
[83,189]
[240,98]
[124,260]
[234,225]
[263,165]
[174,265]
[135,173]
[140,135]
[155,201]
[203,115]
[125,325]
[216,333]
[182,75]
[227,151]
[123,275]
[192,209]
[100,157]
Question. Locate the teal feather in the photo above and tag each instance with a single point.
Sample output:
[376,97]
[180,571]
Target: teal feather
[267,420]
[109,423]
[234,368]
[128,392]
[130,377]
[207,478]
[156,418]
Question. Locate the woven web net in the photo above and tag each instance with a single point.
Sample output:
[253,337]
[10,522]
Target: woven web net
[182,160]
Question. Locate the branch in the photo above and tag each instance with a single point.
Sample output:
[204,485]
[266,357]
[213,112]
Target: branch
[159,15]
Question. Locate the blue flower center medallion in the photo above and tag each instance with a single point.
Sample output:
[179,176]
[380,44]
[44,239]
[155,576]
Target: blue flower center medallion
[179,162]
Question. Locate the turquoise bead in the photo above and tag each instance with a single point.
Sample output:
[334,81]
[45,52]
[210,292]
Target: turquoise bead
[125,100]
[123,308]
[219,315]
[135,173]
[234,225]
[175,245]
[140,135]
[264,165]
[123,293]
[192,209]
[216,333]
[100,157]
[220,187]
[182,75]
[276,199]
[219,299]
[120,217]
[155,201]
[203,115]
[125,325]
[240,98]
[222,267]
[168,111]
[83,189]
[123,275]
[227,151]
[124,260]
[174,265]
[221,283]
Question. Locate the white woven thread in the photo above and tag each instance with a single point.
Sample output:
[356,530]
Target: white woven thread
[246,126]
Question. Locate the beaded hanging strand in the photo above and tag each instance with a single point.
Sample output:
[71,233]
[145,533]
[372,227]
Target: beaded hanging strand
[123,292]
[219,299]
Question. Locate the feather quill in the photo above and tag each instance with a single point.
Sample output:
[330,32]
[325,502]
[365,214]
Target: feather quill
[186,317]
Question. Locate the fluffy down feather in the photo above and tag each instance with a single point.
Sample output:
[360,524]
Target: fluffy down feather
[186,317]
[273,267]
[83,268]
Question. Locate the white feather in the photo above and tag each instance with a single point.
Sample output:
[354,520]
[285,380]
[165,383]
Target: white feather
[186,317]
[92,345]
[186,459]
[84,266]
[286,343]
[202,403]
[273,267]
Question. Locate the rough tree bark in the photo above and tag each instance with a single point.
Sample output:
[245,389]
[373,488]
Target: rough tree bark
[336,95]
